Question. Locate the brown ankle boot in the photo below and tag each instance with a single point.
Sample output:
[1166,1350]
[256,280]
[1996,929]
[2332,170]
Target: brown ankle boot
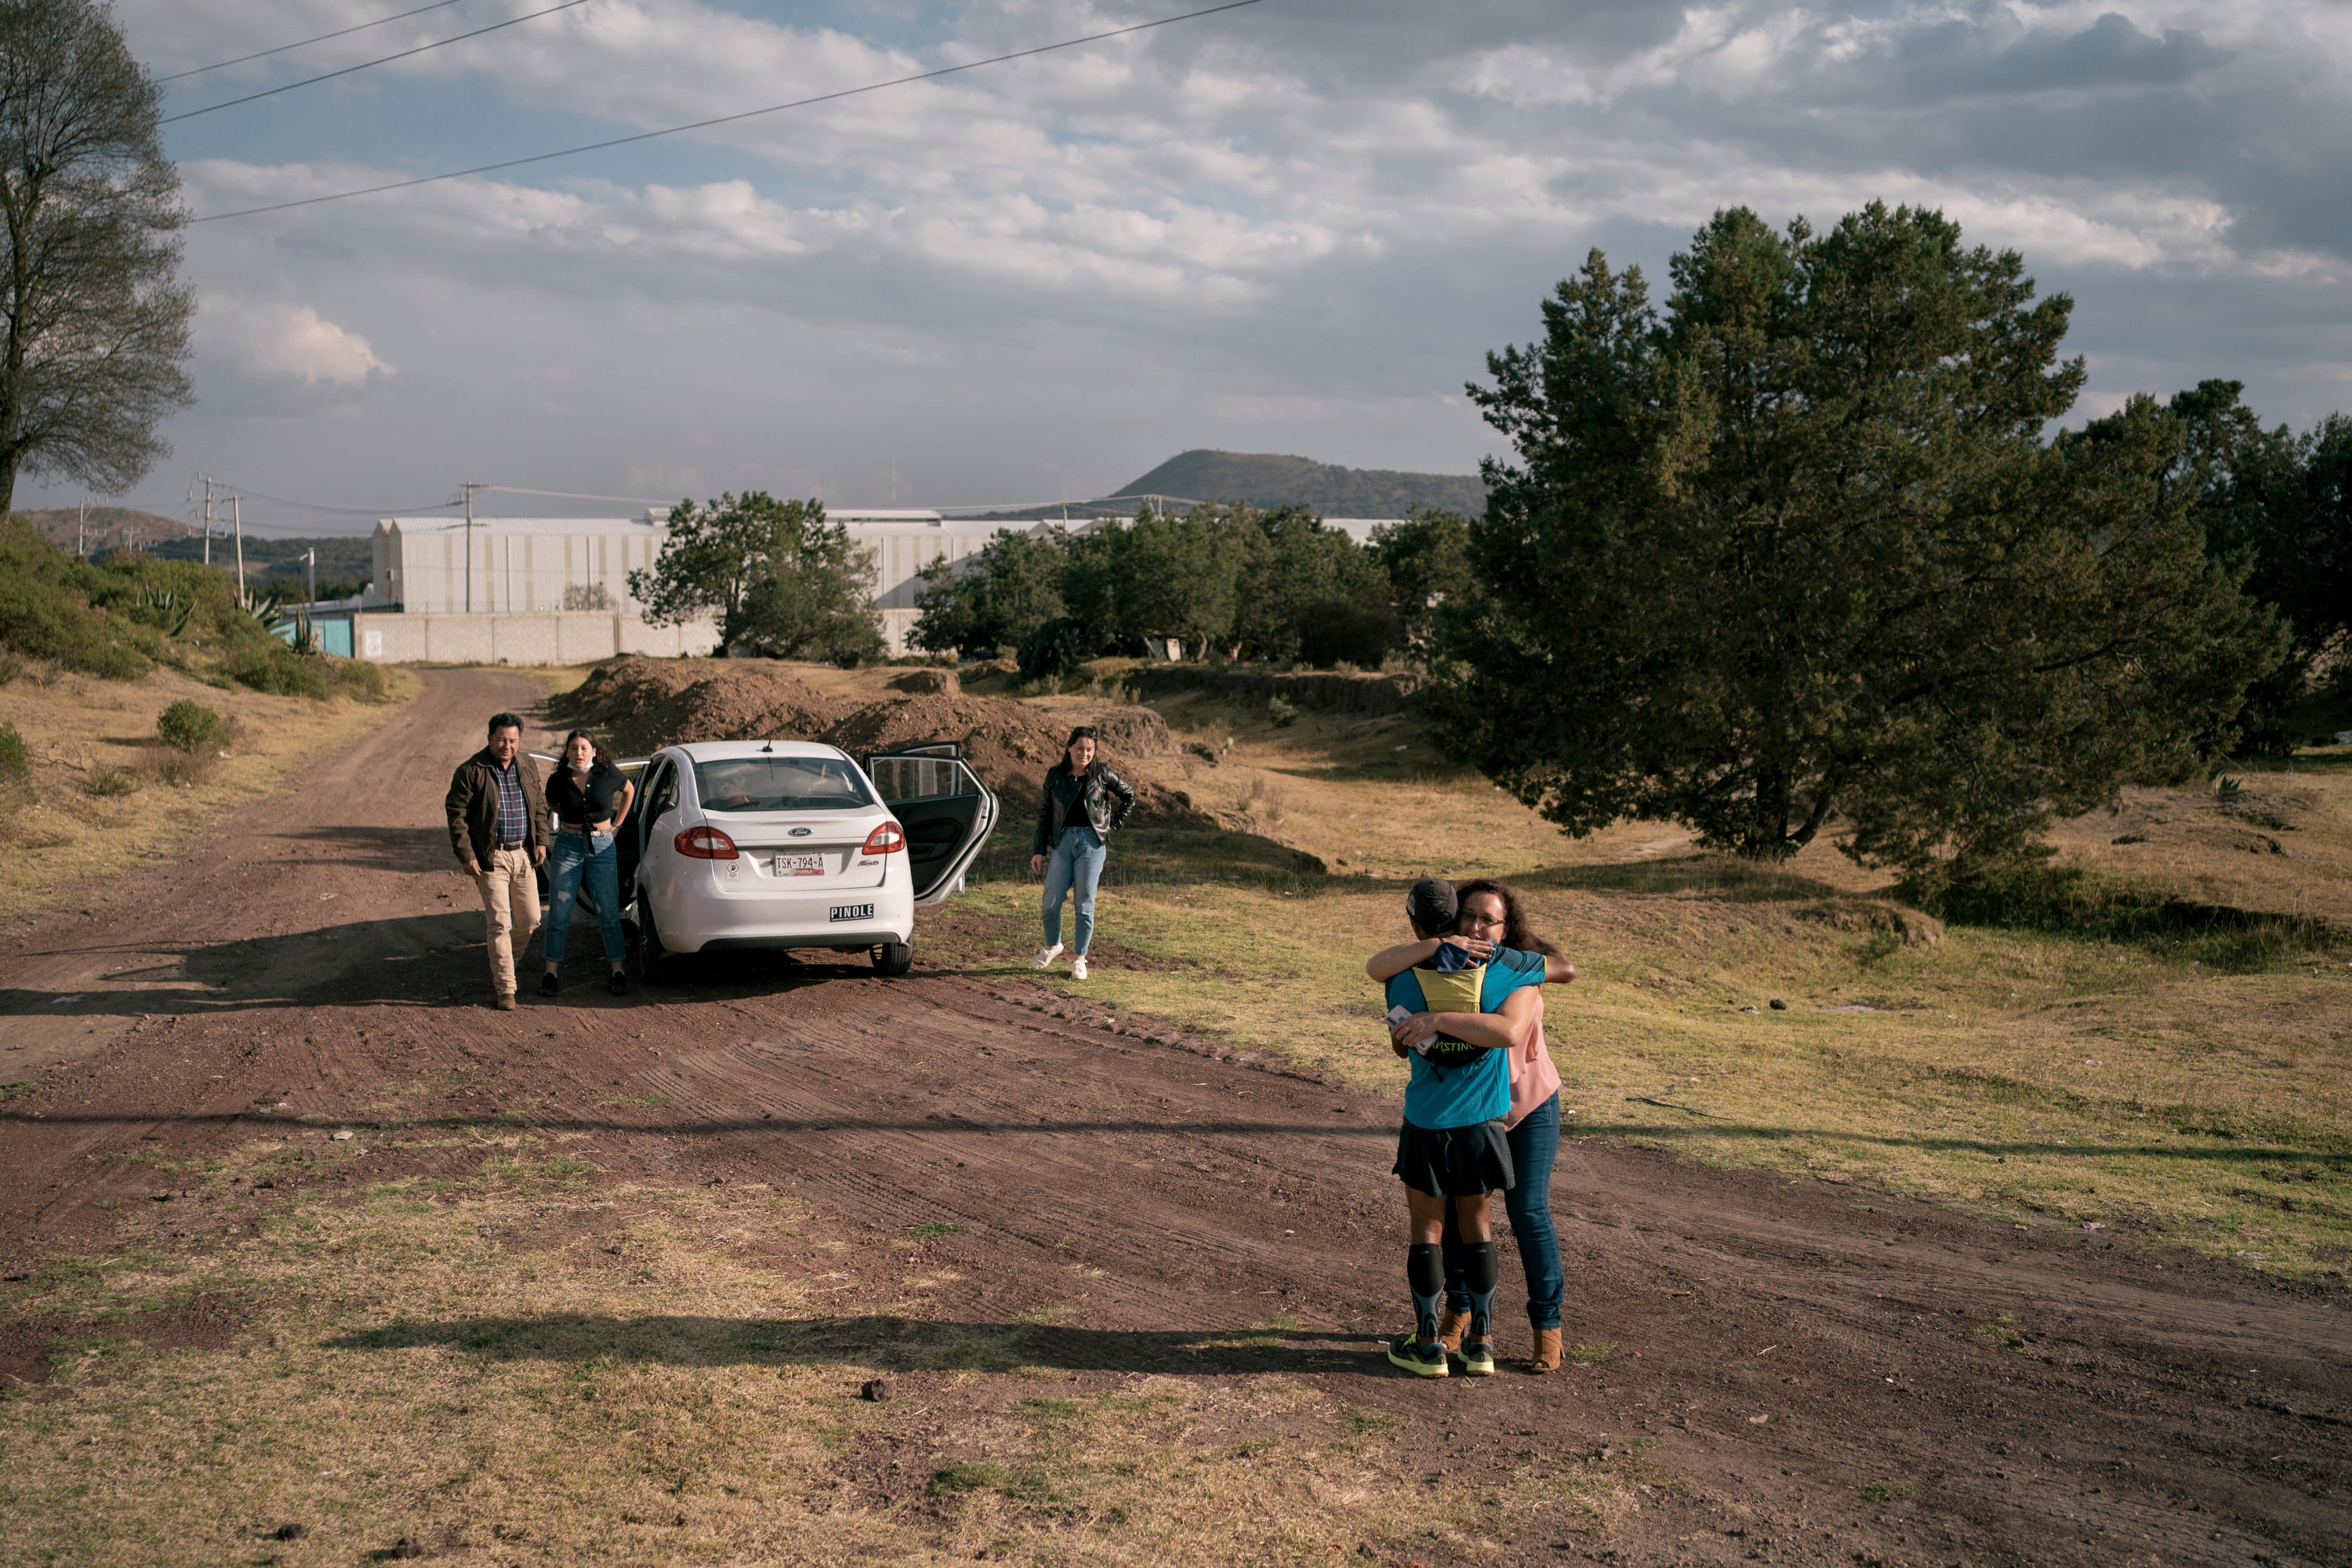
[1547,1353]
[1449,1329]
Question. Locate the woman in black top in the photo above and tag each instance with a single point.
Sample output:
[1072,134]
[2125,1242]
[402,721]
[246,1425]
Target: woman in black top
[589,798]
[1083,806]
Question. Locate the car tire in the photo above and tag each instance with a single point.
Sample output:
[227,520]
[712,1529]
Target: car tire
[893,958]
[657,965]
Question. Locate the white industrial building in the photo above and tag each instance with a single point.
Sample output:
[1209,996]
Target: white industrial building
[537,590]
[570,576]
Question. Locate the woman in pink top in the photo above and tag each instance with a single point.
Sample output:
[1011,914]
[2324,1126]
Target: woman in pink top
[1490,918]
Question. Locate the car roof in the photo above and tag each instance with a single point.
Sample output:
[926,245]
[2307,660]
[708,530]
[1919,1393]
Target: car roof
[719,751]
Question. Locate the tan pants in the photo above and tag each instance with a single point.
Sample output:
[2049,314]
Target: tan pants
[510,899]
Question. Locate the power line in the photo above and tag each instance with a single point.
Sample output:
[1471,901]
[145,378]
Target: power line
[364,65]
[730,119]
[265,54]
[343,510]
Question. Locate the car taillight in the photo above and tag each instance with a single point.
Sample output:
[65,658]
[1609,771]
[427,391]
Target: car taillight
[705,844]
[887,839]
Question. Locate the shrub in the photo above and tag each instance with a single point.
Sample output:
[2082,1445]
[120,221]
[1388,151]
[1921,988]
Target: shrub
[358,680]
[1281,712]
[183,770]
[192,727]
[15,765]
[276,669]
[110,779]
[1332,634]
[1055,649]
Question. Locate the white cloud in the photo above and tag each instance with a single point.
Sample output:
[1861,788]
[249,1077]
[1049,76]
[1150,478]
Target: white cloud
[289,342]
[1291,229]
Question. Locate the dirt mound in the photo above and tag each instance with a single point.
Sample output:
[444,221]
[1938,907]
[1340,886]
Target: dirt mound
[940,680]
[650,703]
[1011,744]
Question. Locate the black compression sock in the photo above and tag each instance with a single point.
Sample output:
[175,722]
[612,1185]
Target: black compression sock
[1478,1258]
[1424,1270]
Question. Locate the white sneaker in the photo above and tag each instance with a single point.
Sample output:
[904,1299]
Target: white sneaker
[1046,956]
[1079,967]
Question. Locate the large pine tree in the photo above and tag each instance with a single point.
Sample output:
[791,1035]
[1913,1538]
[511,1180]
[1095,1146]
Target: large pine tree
[1798,548]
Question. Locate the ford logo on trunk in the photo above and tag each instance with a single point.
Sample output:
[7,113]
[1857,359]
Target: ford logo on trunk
[803,832]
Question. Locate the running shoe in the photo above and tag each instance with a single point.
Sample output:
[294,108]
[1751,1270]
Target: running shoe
[1421,1360]
[619,984]
[548,985]
[1478,1358]
[1046,956]
[1079,967]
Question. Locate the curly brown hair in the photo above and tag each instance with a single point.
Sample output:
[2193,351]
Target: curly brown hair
[1516,931]
[598,757]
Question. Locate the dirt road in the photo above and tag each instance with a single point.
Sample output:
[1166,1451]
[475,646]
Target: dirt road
[1784,1345]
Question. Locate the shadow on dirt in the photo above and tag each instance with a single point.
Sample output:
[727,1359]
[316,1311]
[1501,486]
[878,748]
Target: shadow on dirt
[418,961]
[950,1125]
[382,848]
[890,1343]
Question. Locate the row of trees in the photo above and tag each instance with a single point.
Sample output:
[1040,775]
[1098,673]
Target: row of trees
[1231,580]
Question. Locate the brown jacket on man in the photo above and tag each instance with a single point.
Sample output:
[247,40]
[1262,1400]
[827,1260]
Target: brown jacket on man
[473,805]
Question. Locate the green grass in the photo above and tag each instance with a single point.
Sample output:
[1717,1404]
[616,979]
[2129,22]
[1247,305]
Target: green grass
[2180,1089]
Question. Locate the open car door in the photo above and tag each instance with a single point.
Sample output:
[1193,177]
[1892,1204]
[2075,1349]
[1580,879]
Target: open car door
[947,812]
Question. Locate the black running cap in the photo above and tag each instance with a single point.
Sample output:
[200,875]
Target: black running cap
[1432,905]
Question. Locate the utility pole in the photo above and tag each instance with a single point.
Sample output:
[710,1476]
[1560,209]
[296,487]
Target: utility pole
[311,559]
[470,487]
[208,522]
[82,530]
[237,519]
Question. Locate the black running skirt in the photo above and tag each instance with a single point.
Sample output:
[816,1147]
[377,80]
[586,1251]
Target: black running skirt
[1455,1162]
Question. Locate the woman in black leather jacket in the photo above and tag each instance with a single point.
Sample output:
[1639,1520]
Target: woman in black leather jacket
[1083,806]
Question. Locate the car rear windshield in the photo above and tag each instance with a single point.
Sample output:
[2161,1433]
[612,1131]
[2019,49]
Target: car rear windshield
[779,783]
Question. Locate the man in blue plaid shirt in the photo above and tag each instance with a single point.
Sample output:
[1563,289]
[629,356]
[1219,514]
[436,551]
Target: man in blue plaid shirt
[498,828]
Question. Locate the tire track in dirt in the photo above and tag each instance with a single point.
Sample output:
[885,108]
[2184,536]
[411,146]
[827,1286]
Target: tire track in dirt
[1782,1343]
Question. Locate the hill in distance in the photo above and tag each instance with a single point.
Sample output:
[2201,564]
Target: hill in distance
[106,527]
[1271,480]
[344,559]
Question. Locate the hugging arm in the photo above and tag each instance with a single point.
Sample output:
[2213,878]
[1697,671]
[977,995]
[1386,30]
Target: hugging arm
[1508,1029]
[1394,960]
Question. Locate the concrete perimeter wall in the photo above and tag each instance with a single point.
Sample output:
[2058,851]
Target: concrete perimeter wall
[547,637]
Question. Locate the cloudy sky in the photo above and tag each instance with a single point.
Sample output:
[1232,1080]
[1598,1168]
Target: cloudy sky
[1295,226]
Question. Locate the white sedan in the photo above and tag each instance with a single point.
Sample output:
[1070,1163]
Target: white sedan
[738,845]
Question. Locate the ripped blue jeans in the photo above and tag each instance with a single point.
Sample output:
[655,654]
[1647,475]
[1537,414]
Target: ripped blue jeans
[572,860]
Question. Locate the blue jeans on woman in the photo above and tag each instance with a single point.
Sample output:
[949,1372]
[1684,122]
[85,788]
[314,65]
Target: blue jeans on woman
[1535,1145]
[1075,866]
[573,858]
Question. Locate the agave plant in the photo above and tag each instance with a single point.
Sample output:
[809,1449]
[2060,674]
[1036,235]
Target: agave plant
[266,606]
[164,607]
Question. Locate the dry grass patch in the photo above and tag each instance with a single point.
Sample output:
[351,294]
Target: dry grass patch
[536,1365]
[110,794]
